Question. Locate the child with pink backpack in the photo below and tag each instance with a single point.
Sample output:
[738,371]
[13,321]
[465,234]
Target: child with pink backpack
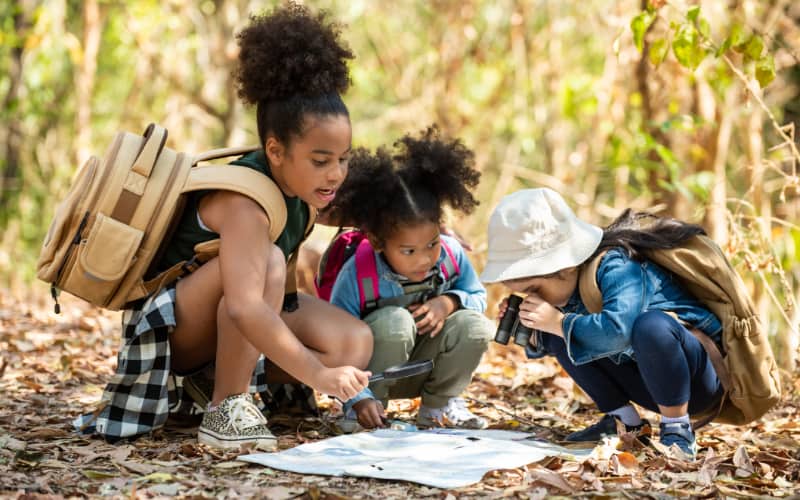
[413,286]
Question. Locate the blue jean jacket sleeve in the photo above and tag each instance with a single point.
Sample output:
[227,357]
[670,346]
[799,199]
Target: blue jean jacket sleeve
[468,287]
[365,393]
[623,284]
[345,289]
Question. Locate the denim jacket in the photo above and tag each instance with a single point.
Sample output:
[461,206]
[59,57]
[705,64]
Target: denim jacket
[629,288]
[467,287]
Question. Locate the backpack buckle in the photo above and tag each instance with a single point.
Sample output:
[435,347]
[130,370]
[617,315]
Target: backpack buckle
[190,266]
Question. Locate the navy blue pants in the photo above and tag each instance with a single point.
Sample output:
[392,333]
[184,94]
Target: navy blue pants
[671,368]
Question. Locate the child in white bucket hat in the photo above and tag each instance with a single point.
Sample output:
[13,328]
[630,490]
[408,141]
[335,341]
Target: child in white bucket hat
[631,351]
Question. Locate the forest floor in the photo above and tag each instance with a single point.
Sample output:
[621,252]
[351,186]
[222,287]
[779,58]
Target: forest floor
[53,367]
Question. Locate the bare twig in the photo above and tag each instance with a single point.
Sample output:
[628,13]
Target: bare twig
[781,130]
[524,420]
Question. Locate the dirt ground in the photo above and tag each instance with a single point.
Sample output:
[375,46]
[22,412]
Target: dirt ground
[53,368]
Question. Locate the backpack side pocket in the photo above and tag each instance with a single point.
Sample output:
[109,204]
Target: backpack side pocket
[103,258]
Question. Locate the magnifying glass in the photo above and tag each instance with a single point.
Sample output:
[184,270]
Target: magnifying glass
[404,370]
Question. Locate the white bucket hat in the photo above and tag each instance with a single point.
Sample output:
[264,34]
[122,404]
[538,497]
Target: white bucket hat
[533,232]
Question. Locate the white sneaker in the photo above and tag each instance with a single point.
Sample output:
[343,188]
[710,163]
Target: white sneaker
[348,423]
[234,422]
[454,414]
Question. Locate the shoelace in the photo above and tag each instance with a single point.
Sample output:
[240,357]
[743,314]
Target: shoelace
[244,414]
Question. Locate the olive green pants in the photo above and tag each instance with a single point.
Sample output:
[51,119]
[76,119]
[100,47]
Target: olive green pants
[455,351]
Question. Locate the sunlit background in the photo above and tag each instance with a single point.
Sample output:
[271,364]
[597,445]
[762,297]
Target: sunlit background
[688,108]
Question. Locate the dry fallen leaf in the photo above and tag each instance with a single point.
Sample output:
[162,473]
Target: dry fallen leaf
[624,464]
[54,371]
[552,478]
[744,467]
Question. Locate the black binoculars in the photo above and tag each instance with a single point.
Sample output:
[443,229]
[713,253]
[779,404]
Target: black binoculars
[510,325]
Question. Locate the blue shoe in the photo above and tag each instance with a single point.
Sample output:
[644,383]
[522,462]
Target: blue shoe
[681,435]
[606,427]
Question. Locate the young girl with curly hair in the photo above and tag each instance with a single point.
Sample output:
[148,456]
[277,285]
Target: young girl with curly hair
[232,311]
[428,302]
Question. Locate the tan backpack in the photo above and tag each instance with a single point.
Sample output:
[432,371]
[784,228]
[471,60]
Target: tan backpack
[747,370]
[108,230]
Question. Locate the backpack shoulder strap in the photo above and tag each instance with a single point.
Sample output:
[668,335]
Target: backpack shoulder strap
[449,266]
[248,182]
[366,274]
[588,288]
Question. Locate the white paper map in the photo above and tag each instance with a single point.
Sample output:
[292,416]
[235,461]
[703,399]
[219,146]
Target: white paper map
[442,458]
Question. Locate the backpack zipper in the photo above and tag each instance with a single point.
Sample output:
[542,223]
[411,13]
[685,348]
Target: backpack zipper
[76,240]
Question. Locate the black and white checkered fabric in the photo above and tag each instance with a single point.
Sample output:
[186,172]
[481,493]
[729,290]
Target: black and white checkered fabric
[143,391]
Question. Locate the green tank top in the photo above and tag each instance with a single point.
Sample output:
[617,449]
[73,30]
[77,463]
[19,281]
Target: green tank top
[189,232]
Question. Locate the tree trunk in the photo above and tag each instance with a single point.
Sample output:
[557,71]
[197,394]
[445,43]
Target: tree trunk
[715,220]
[85,79]
[643,85]
[10,168]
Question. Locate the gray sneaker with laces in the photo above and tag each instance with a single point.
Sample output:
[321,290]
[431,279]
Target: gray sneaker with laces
[236,421]
[454,414]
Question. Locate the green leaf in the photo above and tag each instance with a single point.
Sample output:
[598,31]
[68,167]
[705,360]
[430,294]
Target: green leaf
[156,477]
[737,37]
[686,47]
[667,156]
[753,48]
[99,474]
[765,70]
[704,28]
[692,13]
[639,25]
[726,44]
[658,51]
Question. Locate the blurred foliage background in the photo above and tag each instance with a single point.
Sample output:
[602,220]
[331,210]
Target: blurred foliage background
[688,108]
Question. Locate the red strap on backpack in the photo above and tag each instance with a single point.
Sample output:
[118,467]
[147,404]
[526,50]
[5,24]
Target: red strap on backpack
[366,273]
[339,250]
[456,269]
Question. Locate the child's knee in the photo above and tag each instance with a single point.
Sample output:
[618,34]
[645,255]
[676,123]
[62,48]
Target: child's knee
[467,326]
[392,324]
[651,328]
[361,344]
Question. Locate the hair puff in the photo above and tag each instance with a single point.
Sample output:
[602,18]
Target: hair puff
[288,52]
[406,185]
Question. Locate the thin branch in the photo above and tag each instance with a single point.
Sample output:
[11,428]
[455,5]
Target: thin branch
[755,92]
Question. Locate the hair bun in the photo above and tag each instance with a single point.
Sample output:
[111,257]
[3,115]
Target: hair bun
[289,52]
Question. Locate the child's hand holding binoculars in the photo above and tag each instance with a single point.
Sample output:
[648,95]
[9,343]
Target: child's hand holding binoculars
[525,319]
[535,312]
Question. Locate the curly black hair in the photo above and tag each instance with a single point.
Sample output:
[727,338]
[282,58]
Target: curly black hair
[291,64]
[408,185]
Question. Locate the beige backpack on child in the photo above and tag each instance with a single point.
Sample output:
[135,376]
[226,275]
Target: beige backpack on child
[108,230]
[746,366]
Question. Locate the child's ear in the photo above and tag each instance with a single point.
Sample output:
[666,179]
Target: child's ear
[375,242]
[274,150]
[567,273]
